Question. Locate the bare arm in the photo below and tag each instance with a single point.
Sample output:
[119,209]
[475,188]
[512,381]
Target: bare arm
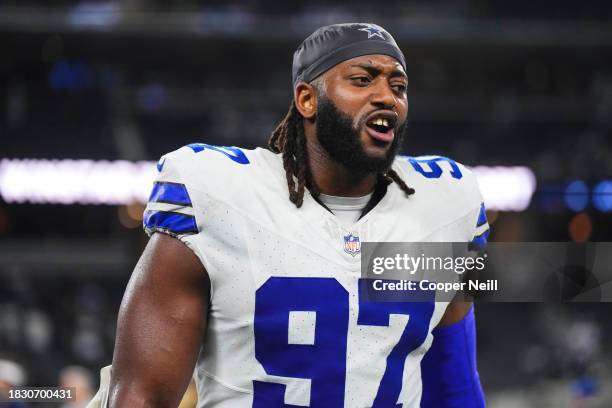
[454,313]
[160,327]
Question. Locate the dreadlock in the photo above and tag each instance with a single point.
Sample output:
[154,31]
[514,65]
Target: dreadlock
[289,139]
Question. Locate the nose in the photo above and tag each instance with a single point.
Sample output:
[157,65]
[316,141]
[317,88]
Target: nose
[383,96]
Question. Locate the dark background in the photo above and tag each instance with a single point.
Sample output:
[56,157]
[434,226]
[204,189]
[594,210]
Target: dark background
[522,83]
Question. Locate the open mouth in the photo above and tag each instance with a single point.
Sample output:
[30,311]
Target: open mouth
[381,127]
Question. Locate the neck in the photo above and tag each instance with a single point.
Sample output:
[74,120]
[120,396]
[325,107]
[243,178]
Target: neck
[333,178]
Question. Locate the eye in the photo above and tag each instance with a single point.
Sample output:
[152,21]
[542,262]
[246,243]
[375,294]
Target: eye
[361,80]
[400,88]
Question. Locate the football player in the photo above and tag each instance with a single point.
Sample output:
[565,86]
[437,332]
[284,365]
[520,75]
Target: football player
[252,271]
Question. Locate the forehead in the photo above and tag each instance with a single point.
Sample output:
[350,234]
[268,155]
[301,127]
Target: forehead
[381,62]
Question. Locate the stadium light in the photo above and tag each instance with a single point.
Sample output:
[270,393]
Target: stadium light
[123,182]
[75,181]
[506,188]
[576,195]
[602,196]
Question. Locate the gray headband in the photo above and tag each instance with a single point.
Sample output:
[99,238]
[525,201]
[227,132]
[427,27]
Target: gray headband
[330,45]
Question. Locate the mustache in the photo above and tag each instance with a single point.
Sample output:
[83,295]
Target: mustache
[363,119]
[340,138]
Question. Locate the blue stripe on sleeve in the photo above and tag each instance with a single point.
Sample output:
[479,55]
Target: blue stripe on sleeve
[172,193]
[482,217]
[170,221]
[482,239]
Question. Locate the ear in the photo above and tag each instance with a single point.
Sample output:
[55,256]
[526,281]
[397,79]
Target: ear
[305,98]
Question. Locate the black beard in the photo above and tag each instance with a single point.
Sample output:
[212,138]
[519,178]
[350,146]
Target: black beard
[341,140]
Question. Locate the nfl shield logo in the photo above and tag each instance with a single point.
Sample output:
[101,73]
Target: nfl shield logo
[352,245]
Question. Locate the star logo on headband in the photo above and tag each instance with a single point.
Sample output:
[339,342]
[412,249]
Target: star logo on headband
[372,31]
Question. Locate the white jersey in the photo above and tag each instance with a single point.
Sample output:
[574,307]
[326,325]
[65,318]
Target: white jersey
[286,326]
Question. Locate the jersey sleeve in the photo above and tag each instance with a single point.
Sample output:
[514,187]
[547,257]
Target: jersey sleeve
[480,226]
[193,198]
[451,192]
[170,209]
[482,230]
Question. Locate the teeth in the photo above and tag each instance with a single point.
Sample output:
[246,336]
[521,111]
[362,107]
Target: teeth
[380,122]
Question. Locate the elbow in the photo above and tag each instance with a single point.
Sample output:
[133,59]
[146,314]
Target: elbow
[135,395]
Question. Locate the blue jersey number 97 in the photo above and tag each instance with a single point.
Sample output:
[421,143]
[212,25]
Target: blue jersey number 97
[324,361]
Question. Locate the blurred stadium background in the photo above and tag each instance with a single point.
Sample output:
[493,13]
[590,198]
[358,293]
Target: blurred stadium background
[92,93]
